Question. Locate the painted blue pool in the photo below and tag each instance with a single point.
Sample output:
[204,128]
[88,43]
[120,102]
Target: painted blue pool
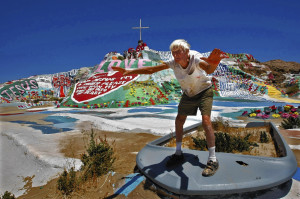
[235,115]
[145,109]
[49,129]
[59,111]
[59,124]
[59,119]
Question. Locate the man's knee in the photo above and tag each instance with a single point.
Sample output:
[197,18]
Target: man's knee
[206,120]
[180,119]
[206,123]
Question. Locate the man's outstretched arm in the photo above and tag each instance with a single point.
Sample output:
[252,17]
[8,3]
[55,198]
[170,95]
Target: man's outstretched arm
[144,70]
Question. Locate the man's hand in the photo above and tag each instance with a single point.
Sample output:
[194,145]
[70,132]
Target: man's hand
[215,57]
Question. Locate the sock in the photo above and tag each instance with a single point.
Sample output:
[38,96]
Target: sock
[212,154]
[178,148]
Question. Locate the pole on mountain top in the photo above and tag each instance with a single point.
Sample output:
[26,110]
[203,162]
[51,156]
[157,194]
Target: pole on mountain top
[140,28]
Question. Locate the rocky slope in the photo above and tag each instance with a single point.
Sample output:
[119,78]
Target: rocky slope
[279,68]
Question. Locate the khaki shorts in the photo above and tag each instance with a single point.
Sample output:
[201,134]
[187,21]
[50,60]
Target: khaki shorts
[190,105]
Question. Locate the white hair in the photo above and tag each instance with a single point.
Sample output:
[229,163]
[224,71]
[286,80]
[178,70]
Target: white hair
[180,43]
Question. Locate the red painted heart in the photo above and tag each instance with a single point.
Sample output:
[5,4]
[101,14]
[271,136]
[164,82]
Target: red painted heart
[99,85]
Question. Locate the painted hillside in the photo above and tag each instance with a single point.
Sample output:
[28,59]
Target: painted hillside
[100,87]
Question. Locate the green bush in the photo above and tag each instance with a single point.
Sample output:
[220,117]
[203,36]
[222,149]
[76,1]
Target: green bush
[263,137]
[99,160]
[8,195]
[200,144]
[290,123]
[219,124]
[226,143]
[67,182]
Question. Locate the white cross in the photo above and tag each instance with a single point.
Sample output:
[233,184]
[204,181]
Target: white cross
[140,28]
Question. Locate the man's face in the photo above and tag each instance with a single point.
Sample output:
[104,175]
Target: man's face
[180,55]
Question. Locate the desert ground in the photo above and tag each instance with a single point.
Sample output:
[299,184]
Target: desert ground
[73,144]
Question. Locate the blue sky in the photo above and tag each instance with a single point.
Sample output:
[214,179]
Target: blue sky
[46,37]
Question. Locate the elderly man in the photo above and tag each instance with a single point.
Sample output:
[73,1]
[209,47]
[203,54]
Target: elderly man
[191,71]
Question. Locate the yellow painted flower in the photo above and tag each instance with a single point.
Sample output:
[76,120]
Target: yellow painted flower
[276,115]
[252,115]
[287,108]
[296,113]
